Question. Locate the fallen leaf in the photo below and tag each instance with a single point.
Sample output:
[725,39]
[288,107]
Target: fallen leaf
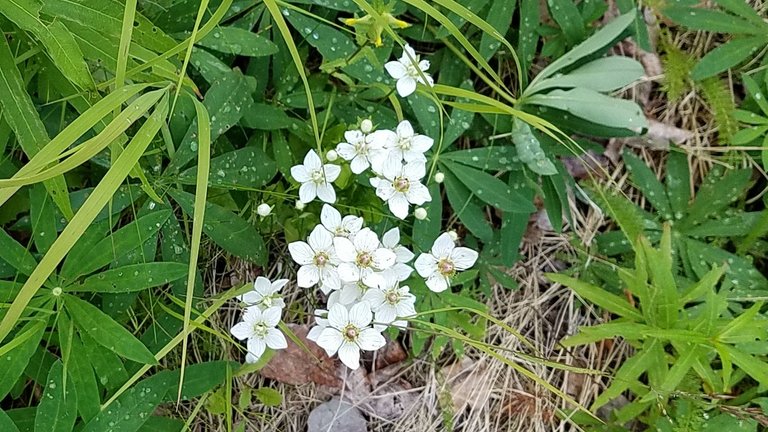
[391,353]
[462,379]
[297,365]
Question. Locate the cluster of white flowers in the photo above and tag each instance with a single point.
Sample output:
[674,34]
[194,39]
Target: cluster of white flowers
[264,307]
[359,273]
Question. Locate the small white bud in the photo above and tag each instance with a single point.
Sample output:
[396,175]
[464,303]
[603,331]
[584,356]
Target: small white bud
[454,235]
[56,291]
[366,126]
[439,177]
[264,209]
[331,155]
[300,205]
[420,213]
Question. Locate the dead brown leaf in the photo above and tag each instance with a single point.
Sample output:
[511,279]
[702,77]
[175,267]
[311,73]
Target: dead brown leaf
[462,380]
[295,365]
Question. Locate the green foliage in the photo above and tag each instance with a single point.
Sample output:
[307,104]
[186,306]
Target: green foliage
[679,332]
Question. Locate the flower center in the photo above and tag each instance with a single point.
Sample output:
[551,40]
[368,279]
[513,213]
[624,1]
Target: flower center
[361,147]
[401,184]
[404,143]
[350,333]
[321,259]
[364,259]
[317,176]
[266,301]
[341,231]
[446,267]
[392,297]
[259,329]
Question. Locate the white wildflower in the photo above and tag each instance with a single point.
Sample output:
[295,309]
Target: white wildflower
[443,262]
[318,260]
[400,271]
[347,226]
[265,294]
[315,178]
[360,149]
[362,256]
[401,186]
[350,331]
[258,327]
[264,209]
[409,70]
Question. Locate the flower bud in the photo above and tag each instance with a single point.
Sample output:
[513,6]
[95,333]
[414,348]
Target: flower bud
[56,291]
[453,235]
[439,177]
[300,205]
[264,209]
[420,213]
[366,126]
[331,155]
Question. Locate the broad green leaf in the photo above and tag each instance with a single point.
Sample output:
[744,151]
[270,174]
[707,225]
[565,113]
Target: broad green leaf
[742,9]
[426,231]
[265,117]
[15,355]
[740,224]
[727,56]
[552,203]
[107,366]
[645,180]
[595,107]
[746,280]
[233,40]
[711,20]
[747,135]
[106,331]
[529,36]
[602,39]
[427,112]
[83,381]
[474,6]
[494,158]
[629,371]
[716,192]
[529,149]
[16,255]
[703,286]
[602,75]
[226,229]
[609,302]
[499,16]
[467,208]
[6,424]
[115,245]
[58,406]
[19,111]
[490,189]
[58,41]
[247,167]
[567,16]
[208,65]
[132,278]
[226,101]
[162,424]
[515,225]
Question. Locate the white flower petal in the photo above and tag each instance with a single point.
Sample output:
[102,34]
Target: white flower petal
[349,354]
[418,194]
[409,55]
[271,316]
[383,258]
[329,276]
[279,284]
[404,129]
[386,314]
[384,189]
[403,254]
[345,249]
[307,276]
[262,285]
[463,258]
[300,173]
[320,240]
[360,315]
[242,330]
[326,193]
[312,161]
[348,272]
[275,339]
[375,297]
[314,333]
[406,86]
[437,282]
[307,192]
[346,151]
[338,317]
[398,205]
[443,246]
[354,136]
[395,69]
[366,241]
[421,143]
[331,172]
[424,65]
[391,238]
[359,164]
[370,340]
[256,347]
[330,340]
[330,218]
[301,252]
[426,265]
[414,170]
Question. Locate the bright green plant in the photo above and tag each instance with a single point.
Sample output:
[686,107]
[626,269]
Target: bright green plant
[678,331]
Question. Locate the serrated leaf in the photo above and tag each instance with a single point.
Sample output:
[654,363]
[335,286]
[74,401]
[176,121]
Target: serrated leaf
[490,189]
[529,149]
[57,410]
[595,107]
[727,56]
[246,167]
[132,278]
[226,229]
[233,40]
[106,331]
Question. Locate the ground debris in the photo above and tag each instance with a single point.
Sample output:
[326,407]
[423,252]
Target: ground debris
[300,365]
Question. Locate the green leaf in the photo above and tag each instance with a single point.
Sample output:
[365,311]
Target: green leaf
[678,182]
[106,331]
[494,158]
[107,366]
[716,192]
[58,406]
[742,9]
[727,56]
[58,41]
[265,117]
[16,255]
[426,231]
[42,216]
[117,244]
[132,278]
[751,365]
[83,380]
[740,224]
[607,301]
[529,35]
[162,424]
[567,16]
[467,208]
[19,111]
[490,189]
[645,180]
[602,75]
[629,371]
[226,229]
[599,41]
[15,355]
[529,149]
[589,334]
[269,396]
[246,167]
[499,16]
[6,424]
[753,90]
[595,107]
[233,40]
[711,20]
